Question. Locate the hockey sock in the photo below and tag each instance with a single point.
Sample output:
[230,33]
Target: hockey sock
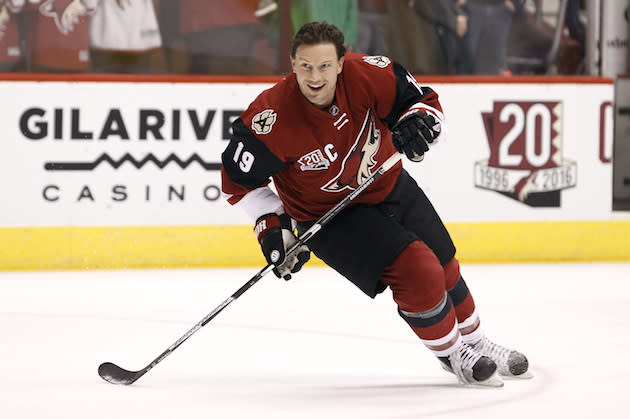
[464,304]
[437,328]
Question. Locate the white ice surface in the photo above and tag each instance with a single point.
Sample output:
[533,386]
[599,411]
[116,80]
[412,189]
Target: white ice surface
[313,347]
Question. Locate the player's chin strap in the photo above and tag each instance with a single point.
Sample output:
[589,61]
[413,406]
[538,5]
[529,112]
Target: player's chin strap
[117,375]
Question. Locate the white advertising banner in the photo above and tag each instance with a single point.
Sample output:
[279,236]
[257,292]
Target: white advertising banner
[116,153]
[522,152]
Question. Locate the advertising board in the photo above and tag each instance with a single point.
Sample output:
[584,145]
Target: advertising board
[93,165]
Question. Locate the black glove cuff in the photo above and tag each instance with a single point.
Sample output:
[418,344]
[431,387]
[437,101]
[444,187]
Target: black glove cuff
[286,222]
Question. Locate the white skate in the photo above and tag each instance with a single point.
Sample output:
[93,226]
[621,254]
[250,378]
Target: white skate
[471,367]
[510,363]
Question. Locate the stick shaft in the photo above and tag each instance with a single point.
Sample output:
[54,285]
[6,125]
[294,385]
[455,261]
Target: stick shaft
[388,164]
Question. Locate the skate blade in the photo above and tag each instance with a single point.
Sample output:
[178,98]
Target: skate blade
[493,381]
[525,376]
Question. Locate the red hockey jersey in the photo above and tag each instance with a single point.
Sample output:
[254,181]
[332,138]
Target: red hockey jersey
[9,37]
[57,35]
[316,157]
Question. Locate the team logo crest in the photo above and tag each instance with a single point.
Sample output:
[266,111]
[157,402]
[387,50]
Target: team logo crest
[357,164]
[263,122]
[65,13]
[526,161]
[377,60]
[314,160]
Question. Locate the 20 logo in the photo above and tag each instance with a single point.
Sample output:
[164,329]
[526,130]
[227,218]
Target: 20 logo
[526,161]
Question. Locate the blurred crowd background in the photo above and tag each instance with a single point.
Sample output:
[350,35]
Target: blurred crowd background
[251,37]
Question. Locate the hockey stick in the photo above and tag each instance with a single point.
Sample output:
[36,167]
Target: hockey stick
[116,375]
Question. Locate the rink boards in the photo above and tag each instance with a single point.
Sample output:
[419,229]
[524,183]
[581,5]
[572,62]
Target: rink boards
[113,172]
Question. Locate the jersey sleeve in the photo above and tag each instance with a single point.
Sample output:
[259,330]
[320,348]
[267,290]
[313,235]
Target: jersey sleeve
[392,89]
[412,97]
[248,164]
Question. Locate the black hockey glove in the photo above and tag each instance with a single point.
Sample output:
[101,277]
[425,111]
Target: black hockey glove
[275,235]
[413,134]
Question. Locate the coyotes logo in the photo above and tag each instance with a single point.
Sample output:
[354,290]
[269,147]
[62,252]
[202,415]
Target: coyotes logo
[66,13]
[358,162]
[526,162]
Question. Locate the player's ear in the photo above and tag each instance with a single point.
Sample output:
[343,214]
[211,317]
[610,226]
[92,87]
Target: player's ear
[340,65]
[292,63]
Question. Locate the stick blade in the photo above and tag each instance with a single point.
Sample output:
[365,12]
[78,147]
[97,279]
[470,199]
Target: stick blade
[112,373]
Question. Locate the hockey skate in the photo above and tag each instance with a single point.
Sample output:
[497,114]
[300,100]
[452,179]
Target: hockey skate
[510,363]
[471,367]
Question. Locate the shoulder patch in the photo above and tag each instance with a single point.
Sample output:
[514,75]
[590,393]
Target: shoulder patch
[377,60]
[262,122]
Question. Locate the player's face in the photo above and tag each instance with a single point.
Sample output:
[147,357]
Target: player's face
[316,68]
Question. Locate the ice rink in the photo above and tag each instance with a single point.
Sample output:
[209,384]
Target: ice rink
[313,347]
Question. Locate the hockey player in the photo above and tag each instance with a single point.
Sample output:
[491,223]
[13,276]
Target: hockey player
[318,133]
